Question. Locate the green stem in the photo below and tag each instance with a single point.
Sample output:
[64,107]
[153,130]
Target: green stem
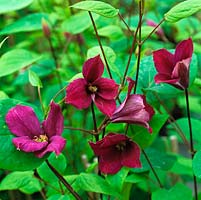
[40,99]
[66,184]
[191,140]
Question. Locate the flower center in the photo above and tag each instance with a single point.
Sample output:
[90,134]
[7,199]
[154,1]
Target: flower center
[121,146]
[41,138]
[92,88]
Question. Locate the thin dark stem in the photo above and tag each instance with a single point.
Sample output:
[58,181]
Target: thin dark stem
[191,140]
[155,28]
[153,170]
[79,129]
[100,44]
[66,184]
[94,120]
[120,16]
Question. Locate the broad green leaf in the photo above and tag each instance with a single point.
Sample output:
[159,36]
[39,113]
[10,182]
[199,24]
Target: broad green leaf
[136,178]
[34,79]
[179,191]
[59,197]
[10,157]
[14,60]
[78,23]
[141,135]
[197,164]
[79,75]
[97,7]
[7,6]
[183,10]
[3,41]
[23,181]
[28,23]
[3,95]
[95,183]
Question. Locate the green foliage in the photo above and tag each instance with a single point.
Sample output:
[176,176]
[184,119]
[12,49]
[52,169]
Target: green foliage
[197,164]
[34,79]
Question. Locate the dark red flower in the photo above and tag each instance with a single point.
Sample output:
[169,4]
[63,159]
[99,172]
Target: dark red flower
[133,110]
[159,30]
[174,68]
[115,151]
[33,136]
[102,91]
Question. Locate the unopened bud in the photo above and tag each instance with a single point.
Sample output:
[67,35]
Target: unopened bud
[46,28]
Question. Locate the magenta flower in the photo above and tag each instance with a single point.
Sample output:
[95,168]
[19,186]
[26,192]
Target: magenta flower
[133,110]
[174,68]
[115,151]
[159,30]
[33,136]
[102,91]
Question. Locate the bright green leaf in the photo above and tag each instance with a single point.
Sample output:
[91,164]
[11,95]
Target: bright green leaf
[183,10]
[34,79]
[7,6]
[97,7]
[16,59]
[197,164]
[59,197]
[30,22]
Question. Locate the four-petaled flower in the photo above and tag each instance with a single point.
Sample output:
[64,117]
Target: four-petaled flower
[102,91]
[133,110]
[174,68]
[33,136]
[115,151]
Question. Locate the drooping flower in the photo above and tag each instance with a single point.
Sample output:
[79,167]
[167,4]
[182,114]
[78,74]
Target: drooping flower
[159,30]
[174,68]
[33,136]
[133,110]
[115,151]
[102,91]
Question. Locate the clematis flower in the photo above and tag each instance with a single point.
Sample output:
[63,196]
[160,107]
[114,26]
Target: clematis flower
[33,136]
[159,30]
[102,91]
[133,110]
[174,68]
[115,151]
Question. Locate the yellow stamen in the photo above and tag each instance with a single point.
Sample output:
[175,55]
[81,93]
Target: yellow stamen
[92,88]
[41,138]
[121,146]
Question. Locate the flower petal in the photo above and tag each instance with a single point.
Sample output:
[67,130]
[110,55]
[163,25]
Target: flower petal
[54,123]
[107,88]
[164,61]
[130,157]
[93,69]
[22,121]
[163,78]
[26,144]
[77,94]
[184,50]
[57,144]
[107,107]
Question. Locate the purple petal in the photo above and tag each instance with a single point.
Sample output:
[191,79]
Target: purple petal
[164,61]
[93,69]
[77,94]
[184,50]
[131,84]
[130,157]
[107,88]
[57,144]
[26,144]
[22,121]
[163,78]
[107,107]
[54,123]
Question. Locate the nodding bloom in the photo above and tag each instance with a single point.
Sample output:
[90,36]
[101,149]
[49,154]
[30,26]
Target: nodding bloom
[174,68]
[159,30]
[93,88]
[133,110]
[33,136]
[115,151]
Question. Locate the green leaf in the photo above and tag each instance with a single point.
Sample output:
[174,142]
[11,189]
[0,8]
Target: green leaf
[59,197]
[10,157]
[97,7]
[95,183]
[30,22]
[136,178]
[23,181]
[141,135]
[3,95]
[3,41]
[34,79]
[76,76]
[16,59]
[183,10]
[78,23]
[7,6]
[179,191]
[197,164]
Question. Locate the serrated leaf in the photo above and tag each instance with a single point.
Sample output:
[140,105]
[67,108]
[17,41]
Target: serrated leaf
[28,23]
[97,7]
[34,79]
[16,59]
[183,10]
[7,6]
[197,164]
